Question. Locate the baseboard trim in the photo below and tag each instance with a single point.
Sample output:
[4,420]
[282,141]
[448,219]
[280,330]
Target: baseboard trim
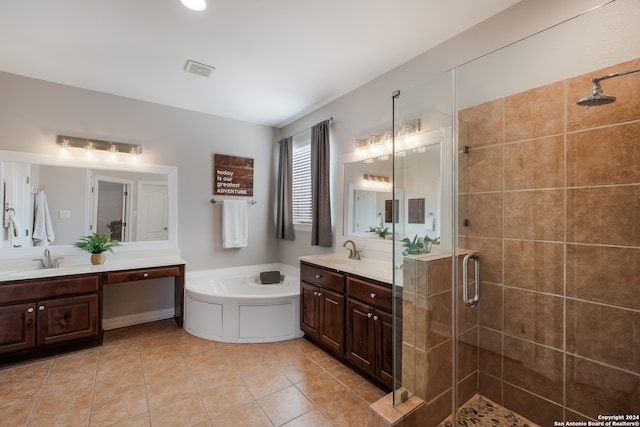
[135,319]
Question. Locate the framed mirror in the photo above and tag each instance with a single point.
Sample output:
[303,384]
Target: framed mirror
[49,201]
[420,170]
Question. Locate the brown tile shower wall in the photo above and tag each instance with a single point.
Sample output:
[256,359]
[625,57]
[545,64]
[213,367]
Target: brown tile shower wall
[427,352]
[552,195]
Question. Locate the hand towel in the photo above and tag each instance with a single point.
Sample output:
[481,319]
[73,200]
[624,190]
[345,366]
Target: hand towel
[42,227]
[13,223]
[234,224]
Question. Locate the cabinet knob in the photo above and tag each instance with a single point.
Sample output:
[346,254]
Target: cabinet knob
[41,308]
[145,275]
[369,315]
[375,317]
[319,294]
[318,276]
[373,295]
[30,310]
[315,293]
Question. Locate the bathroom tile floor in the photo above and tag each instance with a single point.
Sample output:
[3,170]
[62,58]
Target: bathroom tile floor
[156,374]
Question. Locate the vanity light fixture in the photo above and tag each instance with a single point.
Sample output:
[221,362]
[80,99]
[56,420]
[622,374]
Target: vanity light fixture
[377,181]
[197,5]
[95,145]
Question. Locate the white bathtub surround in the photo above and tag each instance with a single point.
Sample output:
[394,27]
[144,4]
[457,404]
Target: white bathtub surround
[231,305]
[235,224]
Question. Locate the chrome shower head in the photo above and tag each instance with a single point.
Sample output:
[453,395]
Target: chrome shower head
[599,98]
[596,98]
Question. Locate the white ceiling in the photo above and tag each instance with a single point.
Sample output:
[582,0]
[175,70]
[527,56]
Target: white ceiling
[275,59]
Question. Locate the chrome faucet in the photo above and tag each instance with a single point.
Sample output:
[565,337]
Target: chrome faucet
[46,261]
[353,252]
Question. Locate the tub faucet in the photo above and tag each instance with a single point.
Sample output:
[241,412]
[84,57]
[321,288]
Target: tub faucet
[46,262]
[353,252]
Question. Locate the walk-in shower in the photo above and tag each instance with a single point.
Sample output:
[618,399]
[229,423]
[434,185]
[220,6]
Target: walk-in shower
[598,97]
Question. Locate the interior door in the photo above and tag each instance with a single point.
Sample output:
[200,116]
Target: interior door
[111,207]
[152,219]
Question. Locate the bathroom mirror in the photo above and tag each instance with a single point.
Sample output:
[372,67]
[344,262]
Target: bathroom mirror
[134,202]
[418,181]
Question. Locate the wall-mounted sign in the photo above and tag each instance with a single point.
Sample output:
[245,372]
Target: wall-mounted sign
[232,176]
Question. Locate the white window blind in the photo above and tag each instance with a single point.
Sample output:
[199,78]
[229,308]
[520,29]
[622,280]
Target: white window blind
[302,183]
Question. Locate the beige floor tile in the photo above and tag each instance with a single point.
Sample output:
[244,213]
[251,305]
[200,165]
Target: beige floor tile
[285,405]
[78,417]
[323,359]
[120,384]
[27,371]
[17,413]
[347,376]
[15,392]
[61,380]
[141,420]
[266,383]
[205,360]
[314,418]
[117,363]
[187,412]
[163,393]
[346,408]
[225,398]
[207,379]
[118,407]
[301,369]
[369,392]
[322,388]
[56,402]
[248,415]
[159,372]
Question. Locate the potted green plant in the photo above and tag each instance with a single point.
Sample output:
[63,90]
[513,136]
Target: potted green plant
[412,247]
[429,241]
[96,244]
[381,232]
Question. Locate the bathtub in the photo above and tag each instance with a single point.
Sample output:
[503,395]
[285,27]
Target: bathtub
[231,305]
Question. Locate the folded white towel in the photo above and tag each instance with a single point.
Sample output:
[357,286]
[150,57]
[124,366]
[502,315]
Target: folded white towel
[235,225]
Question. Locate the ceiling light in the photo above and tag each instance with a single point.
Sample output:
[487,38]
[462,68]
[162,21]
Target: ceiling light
[197,5]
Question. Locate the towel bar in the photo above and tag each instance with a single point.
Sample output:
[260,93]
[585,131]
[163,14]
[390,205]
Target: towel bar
[250,202]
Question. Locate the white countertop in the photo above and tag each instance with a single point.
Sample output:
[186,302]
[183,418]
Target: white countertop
[378,268]
[19,269]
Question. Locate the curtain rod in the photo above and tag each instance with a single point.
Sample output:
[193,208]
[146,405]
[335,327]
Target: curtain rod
[304,130]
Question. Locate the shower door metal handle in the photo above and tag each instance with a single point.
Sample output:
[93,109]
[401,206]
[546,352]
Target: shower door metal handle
[470,302]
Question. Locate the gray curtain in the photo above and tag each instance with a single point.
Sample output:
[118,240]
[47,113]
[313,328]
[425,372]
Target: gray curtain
[284,213]
[320,197]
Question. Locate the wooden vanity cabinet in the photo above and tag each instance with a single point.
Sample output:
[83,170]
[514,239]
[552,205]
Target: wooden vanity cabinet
[369,328]
[351,316]
[322,306]
[40,317]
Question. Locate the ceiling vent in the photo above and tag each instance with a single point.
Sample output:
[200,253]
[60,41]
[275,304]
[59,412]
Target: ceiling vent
[199,69]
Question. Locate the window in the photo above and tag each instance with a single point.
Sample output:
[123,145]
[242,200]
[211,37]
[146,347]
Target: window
[302,180]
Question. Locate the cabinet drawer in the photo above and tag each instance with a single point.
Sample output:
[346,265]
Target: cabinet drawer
[322,277]
[142,274]
[372,294]
[29,290]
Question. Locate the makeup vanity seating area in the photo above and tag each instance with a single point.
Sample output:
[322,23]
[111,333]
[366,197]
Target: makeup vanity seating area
[49,311]
[347,309]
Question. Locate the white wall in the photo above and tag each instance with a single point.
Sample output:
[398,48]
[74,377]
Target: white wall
[606,36]
[33,112]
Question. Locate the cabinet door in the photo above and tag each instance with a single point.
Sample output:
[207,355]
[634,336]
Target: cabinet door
[384,347]
[309,316]
[360,335]
[17,327]
[66,319]
[332,320]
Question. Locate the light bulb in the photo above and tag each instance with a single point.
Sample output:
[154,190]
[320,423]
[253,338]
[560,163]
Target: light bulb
[197,5]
